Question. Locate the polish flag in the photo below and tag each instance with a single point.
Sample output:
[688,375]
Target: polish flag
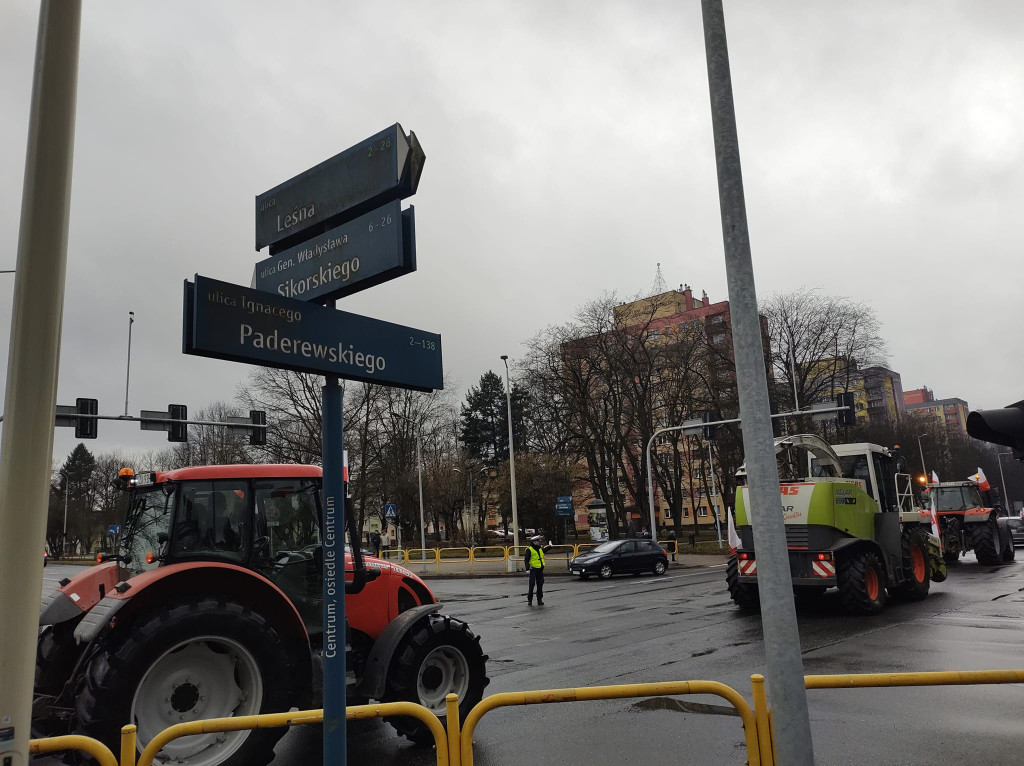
[935,478]
[935,520]
[982,482]
[734,538]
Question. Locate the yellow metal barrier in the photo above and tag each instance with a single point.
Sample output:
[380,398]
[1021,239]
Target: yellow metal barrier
[301,717]
[128,745]
[584,547]
[560,553]
[87,745]
[762,713]
[454,556]
[489,558]
[394,554]
[588,693]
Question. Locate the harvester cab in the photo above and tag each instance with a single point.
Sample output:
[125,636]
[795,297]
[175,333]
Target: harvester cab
[212,607]
[850,524]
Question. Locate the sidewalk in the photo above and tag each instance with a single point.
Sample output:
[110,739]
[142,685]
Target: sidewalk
[465,569]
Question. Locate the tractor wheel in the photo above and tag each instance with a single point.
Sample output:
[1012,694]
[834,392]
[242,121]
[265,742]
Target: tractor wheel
[743,595]
[439,656]
[192,660]
[56,656]
[952,539]
[916,567]
[985,541]
[861,579]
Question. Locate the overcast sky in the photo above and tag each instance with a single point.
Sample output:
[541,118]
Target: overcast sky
[569,151]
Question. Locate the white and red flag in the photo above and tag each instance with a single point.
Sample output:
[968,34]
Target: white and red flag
[734,538]
[935,478]
[982,482]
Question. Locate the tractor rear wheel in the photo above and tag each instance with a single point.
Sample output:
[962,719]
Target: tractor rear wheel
[192,660]
[439,656]
[985,541]
[744,595]
[916,574]
[56,656]
[861,579]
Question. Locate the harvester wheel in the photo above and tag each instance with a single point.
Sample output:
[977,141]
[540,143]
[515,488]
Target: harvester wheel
[861,579]
[985,541]
[916,567]
[743,595]
[1009,552]
[186,661]
[439,656]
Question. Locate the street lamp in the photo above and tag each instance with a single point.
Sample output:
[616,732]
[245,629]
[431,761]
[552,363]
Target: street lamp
[511,458]
[128,369]
[1002,479]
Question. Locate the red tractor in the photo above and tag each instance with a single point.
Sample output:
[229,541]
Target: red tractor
[212,607]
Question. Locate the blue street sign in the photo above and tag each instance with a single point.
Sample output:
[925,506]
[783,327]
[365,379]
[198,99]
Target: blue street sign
[114,529]
[563,507]
[372,249]
[390,511]
[226,321]
[383,168]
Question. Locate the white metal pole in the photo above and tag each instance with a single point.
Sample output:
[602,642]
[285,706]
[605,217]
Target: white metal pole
[64,537]
[511,461]
[714,496]
[924,469]
[419,470]
[1002,479]
[26,450]
[650,486]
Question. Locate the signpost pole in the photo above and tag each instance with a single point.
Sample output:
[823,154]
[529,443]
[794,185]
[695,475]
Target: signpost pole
[784,666]
[33,362]
[334,574]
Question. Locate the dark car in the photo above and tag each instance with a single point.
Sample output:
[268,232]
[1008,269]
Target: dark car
[1016,527]
[619,557]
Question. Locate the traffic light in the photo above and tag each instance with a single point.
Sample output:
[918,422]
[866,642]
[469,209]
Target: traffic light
[846,417]
[85,428]
[709,431]
[178,432]
[258,436]
[1005,426]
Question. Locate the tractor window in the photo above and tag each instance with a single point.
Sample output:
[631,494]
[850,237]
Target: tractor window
[212,520]
[146,527]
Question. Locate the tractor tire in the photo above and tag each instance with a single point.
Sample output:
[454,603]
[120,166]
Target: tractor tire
[985,542]
[916,567]
[743,595]
[190,660]
[861,579]
[439,656]
[56,656]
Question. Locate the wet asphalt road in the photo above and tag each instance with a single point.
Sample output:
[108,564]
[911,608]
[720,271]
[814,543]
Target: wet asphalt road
[683,626]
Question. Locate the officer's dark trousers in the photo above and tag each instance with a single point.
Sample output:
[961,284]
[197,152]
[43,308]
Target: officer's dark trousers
[536,578]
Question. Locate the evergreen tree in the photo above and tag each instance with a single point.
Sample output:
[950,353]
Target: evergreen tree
[484,426]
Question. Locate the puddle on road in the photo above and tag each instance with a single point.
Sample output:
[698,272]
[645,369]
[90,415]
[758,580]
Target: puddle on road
[679,706]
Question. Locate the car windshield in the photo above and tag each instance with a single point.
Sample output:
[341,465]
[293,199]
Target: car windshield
[607,547]
[148,517]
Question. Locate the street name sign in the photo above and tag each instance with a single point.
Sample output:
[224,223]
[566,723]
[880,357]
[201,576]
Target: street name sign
[364,252]
[381,169]
[563,506]
[226,321]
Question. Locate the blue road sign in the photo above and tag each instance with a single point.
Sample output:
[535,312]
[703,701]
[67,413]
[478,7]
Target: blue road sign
[390,511]
[114,529]
[383,168]
[372,249]
[563,507]
[226,321]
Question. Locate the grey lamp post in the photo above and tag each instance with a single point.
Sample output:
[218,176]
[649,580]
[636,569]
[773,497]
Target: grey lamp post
[511,459]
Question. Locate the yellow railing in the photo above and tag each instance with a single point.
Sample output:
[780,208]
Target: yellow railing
[454,741]
[588,693]
[762,712]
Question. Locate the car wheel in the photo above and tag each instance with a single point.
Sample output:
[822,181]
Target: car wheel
[660,567]
[605,571]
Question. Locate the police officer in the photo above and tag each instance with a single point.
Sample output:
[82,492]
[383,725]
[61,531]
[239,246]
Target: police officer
[534,558]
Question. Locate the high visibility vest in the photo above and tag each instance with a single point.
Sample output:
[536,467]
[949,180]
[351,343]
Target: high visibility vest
[536,557]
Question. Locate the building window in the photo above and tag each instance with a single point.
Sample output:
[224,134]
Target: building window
[667,513]
[686,513]
[702,512]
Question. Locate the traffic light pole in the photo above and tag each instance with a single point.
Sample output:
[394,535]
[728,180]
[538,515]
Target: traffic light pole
[784,665]
[34,361]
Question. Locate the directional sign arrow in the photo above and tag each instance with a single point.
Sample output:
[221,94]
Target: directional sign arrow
[364,252]
[226,321]
[383,168]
